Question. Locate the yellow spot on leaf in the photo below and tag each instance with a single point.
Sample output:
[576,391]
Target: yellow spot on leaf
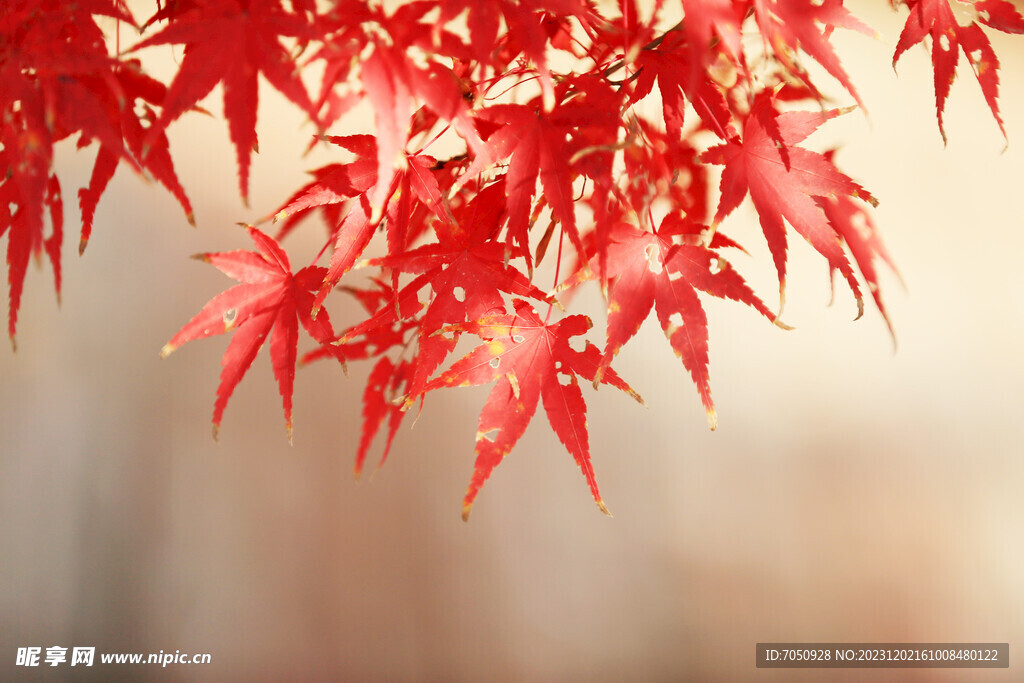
[514,383]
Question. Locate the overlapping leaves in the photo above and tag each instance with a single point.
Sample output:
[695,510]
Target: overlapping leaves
[498,180]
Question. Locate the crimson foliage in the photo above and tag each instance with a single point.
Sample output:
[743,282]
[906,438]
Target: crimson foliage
[545,160]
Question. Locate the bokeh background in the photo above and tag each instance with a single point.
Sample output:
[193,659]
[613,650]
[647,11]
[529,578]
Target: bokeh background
[851,492]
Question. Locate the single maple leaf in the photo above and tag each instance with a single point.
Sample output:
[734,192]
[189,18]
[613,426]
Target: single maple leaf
[784,182]
[658,167]
[532,361]
[333,186]
[392,83]
[854,224]
[417,197]
[467,272]
[663,269]
[331,209]
[706,20]
[1000,15]
[465,257]
[679,80]
[392,102]
[232,42]
[395,311]
[341,34]
[142,90]
[936,18]
[526,34]
[625,35]
[541,145]
[270,301]
[414,192]
[399,314]
[25,186]
[348,183]
[27,239]
[372,343]
[343,191]
[382,401]
[791,25]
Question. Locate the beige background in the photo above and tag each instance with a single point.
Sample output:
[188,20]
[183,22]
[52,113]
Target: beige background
[849,494]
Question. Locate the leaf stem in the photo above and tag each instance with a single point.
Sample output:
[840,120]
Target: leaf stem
[558,266]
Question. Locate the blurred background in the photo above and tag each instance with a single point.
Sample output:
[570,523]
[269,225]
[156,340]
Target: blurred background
[851,493]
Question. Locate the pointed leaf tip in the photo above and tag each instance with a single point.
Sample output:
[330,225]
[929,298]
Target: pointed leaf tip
[603,507]
[216,431]
[167,350]
[781,325]
[712,419]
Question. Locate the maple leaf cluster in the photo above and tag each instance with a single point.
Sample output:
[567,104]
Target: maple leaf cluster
[499,180]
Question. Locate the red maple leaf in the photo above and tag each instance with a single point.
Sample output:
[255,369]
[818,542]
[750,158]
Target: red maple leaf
[382,400]
[34,39]
[785,182]
[936,18]
[26,228]
[415,186]
[57,79]
[232,42]
[529,140]
[708,19]
[392,83]
[526,21]
[531,361]
[466,270]
[620,38]
[854,224]
[372,343]
[663,269]
[1000,15]
[341,32]
[333,185]
[657,166]
[270,299]
[138,88]
[541,146]
[670,63]
[789,25]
